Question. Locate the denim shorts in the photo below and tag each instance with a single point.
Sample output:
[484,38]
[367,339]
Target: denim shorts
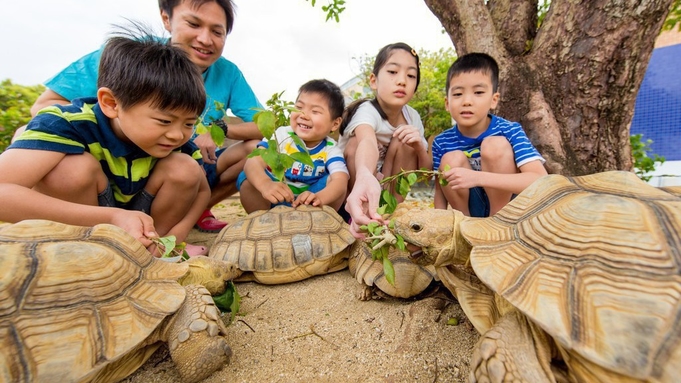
[478,202]
[212,169]
[140,202]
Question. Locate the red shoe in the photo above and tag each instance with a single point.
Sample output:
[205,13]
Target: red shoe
[207,223]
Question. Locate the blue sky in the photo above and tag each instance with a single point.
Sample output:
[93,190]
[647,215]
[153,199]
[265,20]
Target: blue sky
[278,44]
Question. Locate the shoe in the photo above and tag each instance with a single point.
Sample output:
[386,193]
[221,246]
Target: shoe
[195,251]
[207,223]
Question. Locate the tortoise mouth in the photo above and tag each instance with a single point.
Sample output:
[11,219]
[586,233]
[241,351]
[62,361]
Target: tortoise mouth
[418,257]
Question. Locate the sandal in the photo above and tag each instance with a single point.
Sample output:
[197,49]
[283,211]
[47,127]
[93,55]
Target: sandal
[195,250]
[207,223]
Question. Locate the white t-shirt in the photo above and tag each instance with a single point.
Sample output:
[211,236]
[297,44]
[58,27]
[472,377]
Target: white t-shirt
[367,114]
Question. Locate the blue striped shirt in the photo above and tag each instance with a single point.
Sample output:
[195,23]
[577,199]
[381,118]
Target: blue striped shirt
[82,127]
[451,140]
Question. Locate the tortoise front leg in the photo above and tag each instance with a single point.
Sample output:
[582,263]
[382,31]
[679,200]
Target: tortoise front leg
[196,336]
[513,351]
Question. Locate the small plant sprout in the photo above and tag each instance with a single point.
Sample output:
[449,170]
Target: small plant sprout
[216,132]
[276,161]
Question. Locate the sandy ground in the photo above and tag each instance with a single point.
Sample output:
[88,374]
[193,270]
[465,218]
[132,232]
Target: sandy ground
[317,330]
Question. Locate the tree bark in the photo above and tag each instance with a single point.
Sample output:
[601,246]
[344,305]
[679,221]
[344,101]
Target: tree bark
[572,83]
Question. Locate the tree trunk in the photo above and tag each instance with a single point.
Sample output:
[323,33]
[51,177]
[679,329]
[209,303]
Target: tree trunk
[572,83]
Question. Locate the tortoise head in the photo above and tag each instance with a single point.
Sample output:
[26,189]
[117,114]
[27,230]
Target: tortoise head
[213,274]
[435,231]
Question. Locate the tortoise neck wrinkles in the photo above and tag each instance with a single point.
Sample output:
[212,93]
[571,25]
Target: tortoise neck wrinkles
[454,249]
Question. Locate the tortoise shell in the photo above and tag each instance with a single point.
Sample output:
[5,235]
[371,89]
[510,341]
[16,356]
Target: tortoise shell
[70,293]
[411,279]
[596,262]
[285,244]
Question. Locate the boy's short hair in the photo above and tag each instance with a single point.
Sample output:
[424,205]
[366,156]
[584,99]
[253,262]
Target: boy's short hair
[474,62]
[330,91]
[139,67]
[227,5]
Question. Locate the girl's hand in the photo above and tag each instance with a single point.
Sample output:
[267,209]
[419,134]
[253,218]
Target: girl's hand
[277,192]
[460,178]
[408,135]
[307,198]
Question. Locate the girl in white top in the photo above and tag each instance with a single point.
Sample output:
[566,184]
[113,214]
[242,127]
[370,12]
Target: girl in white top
[383,136]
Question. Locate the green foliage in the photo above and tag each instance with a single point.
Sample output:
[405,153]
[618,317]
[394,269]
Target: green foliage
[281,109]
[229,301]
[15,108]
[673,17]
[168,247]
[276,161]
[381,237]
[216,132]
[642,163]
[542,10]
[333,9]
[430,96]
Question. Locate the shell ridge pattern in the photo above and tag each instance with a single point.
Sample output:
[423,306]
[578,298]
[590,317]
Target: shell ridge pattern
[29,278]
[667,347]
[22,357]
[101,338]
[673,238]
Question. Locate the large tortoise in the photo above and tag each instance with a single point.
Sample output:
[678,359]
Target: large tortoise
[411,279]
[81,304]
[285,244]
[583,273]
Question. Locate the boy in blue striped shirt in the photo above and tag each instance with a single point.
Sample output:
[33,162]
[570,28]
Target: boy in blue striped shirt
[123,157]
[484,158]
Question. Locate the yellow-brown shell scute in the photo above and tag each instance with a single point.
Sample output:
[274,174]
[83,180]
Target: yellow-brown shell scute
[286,243]
[594,261]
[70,293]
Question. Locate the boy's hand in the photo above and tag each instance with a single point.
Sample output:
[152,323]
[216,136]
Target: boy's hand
[460,178]
[408,135]
[276,192]
[207,146]
[307,198]
[137,224]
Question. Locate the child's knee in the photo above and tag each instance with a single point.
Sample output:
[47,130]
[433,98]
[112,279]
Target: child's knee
[75,173]
[455,159]
[496,148]
[179,169]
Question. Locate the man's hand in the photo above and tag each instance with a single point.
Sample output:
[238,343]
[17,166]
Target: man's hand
[207,145]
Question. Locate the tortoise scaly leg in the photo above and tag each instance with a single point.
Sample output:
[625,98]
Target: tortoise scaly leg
[512,351]
[196,336]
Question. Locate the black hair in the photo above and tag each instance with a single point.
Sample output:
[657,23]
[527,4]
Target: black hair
[474,62]
[226,5]
[380,61]
[328,90]
[139,67]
